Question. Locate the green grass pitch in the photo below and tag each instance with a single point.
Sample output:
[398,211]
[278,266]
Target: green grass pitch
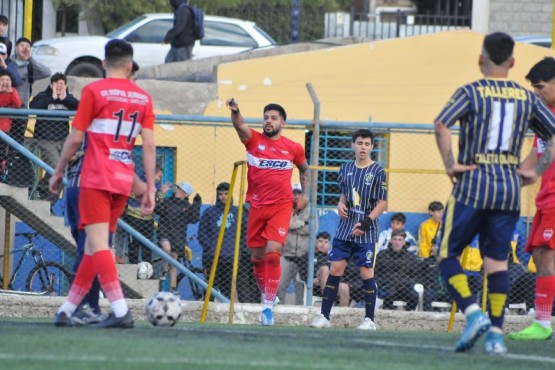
[37,344]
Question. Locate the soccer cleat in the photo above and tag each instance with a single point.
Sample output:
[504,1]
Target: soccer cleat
[367,324]
[87,316]
[535,331]
[267,317]
[124,322]
[320,322]
[477,323]
[62,319]
[494,344]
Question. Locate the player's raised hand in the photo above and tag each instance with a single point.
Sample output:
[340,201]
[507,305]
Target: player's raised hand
[232,105]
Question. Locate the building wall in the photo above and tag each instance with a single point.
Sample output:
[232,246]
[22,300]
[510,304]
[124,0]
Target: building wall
[521,17]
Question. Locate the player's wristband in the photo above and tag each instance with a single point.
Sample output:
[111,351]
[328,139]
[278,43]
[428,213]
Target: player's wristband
[365,224]
[236,112]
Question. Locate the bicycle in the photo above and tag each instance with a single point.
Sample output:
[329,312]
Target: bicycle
[45,278]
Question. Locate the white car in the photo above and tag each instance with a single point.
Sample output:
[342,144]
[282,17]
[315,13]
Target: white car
[82,55]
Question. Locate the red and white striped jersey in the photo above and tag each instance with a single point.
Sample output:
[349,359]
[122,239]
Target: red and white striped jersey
[270,163]
[112,112]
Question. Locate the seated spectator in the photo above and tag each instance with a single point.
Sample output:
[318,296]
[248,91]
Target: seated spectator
[9,98]
[396,273]
[429,229]
[398,221]
[322,268]
[176,213]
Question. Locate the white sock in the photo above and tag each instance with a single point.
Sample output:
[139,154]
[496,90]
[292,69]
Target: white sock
[119,307]
[67,307]
[545,323]
[472,308]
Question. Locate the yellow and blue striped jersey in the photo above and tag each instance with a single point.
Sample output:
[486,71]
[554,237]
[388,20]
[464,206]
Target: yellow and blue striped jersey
[363,188]
[494,115]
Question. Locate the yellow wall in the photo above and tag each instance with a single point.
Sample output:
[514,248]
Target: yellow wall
[405,80]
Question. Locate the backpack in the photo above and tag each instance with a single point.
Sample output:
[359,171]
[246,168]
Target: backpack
[198,25]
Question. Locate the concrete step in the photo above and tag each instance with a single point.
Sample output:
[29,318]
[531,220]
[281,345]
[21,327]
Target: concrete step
[142,288]
[37,215]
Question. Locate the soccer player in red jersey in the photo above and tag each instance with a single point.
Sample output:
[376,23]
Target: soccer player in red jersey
[112,113]
[542,241]
[270,160]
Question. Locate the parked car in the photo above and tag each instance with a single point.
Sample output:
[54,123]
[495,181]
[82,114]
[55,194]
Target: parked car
[82,55]
[535,40]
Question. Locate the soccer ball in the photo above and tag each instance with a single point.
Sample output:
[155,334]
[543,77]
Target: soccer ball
[144,270]
[163,309]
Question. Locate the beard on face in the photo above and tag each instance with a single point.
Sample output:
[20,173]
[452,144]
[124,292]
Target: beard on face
[271,132]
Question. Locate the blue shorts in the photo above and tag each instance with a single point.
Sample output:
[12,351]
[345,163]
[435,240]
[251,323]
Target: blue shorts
[364,254]
[462,223]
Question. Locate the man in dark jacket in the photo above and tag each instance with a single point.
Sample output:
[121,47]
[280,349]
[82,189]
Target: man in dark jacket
[51,133]
[396,272]
[181,37]
[208,233]
[176,213]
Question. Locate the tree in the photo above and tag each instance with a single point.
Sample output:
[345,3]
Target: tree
[62,7]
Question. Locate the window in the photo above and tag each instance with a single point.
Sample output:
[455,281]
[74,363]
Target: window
[226,34]
[335,149]
[152,32]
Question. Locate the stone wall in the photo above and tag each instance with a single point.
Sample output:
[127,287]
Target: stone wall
[521,17]
[13,305]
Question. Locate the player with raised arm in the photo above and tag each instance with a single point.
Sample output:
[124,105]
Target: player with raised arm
[112,113]
[494,114]
[363,199]
[270,161]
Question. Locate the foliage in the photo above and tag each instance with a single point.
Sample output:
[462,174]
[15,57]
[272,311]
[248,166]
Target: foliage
[116,13]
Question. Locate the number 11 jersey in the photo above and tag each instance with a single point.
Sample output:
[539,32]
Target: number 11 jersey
[112,112]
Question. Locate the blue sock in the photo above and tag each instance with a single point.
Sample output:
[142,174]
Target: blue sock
[498,290]
[456,282]
[330,294]
[370,294]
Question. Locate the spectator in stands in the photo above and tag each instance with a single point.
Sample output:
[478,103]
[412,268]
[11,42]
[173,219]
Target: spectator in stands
[294,255]
[428,230]
[322,270]
[9,98]
[29,69]
[51,133]
[4,39]
[144,224]
[397,271]
[398,221]
[6,64]
[176,213]
[208,233]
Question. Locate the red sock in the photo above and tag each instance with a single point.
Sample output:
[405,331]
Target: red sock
[105,267]
[273,274]
[259,269]
[545,290]
[83,281]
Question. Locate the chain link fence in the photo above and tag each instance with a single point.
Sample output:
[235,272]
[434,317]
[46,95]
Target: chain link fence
[196,155]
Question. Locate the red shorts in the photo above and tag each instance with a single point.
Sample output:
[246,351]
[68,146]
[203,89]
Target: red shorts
[543,231]
[269,222]
[100,206]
